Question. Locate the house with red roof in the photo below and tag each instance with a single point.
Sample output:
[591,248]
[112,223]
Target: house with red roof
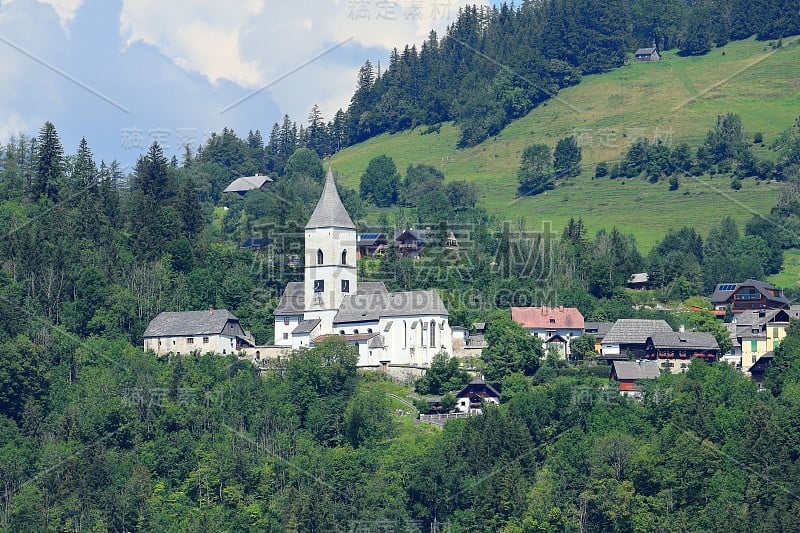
[556,326]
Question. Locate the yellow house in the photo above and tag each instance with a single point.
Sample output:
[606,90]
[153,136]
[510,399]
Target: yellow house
[759,332]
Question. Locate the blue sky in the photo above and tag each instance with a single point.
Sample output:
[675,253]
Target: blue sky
[125,72]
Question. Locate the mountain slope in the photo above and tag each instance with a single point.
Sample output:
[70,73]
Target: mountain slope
[676,99]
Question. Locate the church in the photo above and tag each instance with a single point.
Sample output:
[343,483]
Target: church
[398,328]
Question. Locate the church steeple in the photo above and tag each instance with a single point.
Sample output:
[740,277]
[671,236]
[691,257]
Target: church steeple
[330,211]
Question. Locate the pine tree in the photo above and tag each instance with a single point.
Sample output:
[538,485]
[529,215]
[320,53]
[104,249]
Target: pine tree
[49,163]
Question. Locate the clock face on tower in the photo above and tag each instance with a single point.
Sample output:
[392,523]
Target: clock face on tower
[319,285]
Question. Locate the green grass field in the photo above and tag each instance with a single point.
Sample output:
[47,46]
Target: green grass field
[677,99]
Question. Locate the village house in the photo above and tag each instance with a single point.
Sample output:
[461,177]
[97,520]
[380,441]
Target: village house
[627,338]
[370,244]
[598,330]
[241,186]
[556,326]
[630,374]
[674,351]
[751,294]
[759,332]
[471,398]
[638,281]
[647,54]
[389,328]
[211,331]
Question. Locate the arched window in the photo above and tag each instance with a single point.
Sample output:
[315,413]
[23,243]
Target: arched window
[344,257]
[433,334]
[405,334]
[369,330]
[421,334]
[355,332]
[320,257]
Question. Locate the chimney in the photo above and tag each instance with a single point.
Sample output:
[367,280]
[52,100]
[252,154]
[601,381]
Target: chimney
[211,309]
[682,328]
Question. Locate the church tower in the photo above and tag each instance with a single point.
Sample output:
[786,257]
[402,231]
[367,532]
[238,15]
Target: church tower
[330,257]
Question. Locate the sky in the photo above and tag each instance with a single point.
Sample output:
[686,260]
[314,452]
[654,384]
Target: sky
[122,73]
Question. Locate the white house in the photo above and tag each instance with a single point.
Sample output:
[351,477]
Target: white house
[556,326]
[388,327]
[214,331]
[471,398]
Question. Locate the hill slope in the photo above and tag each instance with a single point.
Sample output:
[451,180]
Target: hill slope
[676,99]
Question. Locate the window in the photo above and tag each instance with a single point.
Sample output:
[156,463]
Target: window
[345,285]
[552,320]
[774,332]
[433,333]
[319,285]
[344,257]
[369,330]
[320,257]
[405,334]
[355,332]
[341,332]
[286,321]
[285,336]
[775,344]
[753,359]
[205,340]
[754,346]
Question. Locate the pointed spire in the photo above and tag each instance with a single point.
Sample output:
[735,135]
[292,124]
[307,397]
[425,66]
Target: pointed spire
[330,211]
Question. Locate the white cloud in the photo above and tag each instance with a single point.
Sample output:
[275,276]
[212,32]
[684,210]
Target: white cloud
[65,9]
[253,42]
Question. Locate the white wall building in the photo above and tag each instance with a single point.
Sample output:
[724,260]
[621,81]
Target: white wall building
[211,331]
[388,328]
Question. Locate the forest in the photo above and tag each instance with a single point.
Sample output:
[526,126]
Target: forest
[494,64]
[98,435]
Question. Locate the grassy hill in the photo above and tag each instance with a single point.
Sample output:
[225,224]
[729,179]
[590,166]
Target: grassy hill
[677,99]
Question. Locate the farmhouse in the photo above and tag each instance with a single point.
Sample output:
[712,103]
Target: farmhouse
[241,186]
[406,328]
[556,326]
[369,244]
[629,374]
[674,351]
[627,338]
[472,397]
[214,331]
[647,54]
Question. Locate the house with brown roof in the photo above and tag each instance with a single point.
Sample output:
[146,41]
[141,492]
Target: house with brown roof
[556,326]
[475,395]
[750,294]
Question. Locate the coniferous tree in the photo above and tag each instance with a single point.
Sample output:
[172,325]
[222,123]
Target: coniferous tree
[49,163]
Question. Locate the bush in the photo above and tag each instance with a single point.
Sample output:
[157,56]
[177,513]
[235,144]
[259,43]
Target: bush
[758,138]
[736,184]
[674,183]
[601,170]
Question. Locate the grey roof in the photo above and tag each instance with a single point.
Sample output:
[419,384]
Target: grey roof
[598,329]
[247,183]
[478,383]
[372,306]
[371,287]
[645,51]
[293,300]
[173,324]
[694,340]
[641,277]
[377,342]
[634,331]
[306,326]
[760,317]
[330,211]
[627,370]
[732,331]
[721,296]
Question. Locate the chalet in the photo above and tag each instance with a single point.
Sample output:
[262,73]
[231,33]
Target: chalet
[674,351]
[751,294]
[472,397]
[214,331]
[556,326]
[241,186]
[410,242]
[647,54]
[638,281]
[629,375]
[627,338]
[369,244]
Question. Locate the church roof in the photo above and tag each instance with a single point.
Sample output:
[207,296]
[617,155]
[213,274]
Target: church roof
[293,300]
[330,211]
[369,307]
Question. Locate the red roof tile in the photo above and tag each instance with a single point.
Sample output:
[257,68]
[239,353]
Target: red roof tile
[548,317]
